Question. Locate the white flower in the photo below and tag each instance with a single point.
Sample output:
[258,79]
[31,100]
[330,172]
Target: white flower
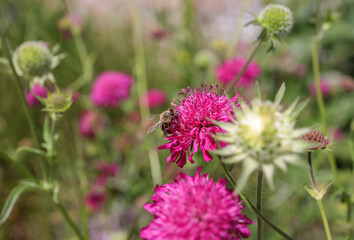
[262,137]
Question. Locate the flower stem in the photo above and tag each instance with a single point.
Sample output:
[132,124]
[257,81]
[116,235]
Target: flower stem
[250,205]
[311,170]
[259,202]
[239,75]
[324,219]
[319,97]
[20,92]
[69,220]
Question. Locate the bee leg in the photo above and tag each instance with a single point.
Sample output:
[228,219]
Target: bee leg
[163,130]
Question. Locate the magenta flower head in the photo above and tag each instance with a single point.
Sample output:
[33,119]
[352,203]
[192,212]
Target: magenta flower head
[326,89]
[110,88]
[106,170]
[227,72]
[193,127]
[37,90]
[96,198]
[193,208]
[155,98]
[91,123]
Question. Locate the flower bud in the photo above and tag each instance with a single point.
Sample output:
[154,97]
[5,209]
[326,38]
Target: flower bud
[32,58]
[276,19]
[57,103]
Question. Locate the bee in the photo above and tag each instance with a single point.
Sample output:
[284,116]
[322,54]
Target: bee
[166,118]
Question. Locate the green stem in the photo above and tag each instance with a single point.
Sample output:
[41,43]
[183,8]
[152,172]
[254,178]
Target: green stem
[84,58]
[140,66]
[259,202]
[324,219]
[20,92]
[69,220]
[239,75]
[319,97]
[311,170]
[250,205]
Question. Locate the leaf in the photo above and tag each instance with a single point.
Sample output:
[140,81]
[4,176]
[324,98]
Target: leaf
[280,94]
[31,150]
[11,200]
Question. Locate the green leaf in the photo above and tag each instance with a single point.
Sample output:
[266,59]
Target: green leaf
[280,94]
[31,150]
[11,200]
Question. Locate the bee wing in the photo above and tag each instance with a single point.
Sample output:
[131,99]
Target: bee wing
[153,127]
[152,117]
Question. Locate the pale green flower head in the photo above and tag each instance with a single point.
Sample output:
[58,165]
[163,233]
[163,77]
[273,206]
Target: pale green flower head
[263,136]
[33,58]
[277,21]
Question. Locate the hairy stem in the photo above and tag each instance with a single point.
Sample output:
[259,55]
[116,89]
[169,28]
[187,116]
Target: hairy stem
[239,75]
[312,176]
[250,205]
[69,220]
[259,202]
[324,219]
[20,92]
[319,97]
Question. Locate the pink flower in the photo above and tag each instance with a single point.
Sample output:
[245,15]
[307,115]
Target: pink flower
[227,72]
[68,21]
[106,170]
[193,208]
[337,134]
[193,127]
[110,88]
[159,34]
[325,88]
[95,199]
[155,98]
[91,123]
[38,90]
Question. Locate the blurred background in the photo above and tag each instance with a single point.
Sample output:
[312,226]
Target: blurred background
[184,41]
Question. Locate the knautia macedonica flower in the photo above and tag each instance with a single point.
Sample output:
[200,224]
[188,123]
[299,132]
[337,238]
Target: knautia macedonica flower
[316,139]
[227,72]
[36,90]
[277,21]
[193,128]
[68,23]
[193,208]
[110,88]
[35,60]
[263,137]
[155,98]
[91,123]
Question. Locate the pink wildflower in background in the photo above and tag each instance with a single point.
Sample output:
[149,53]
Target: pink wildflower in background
[38,90]
[326,88]
[110,88]
[155,98]
[227,72]
[95,199]
[195,208]
[91,123]
[106,170]
[70,21]
[159,34]
[193,128]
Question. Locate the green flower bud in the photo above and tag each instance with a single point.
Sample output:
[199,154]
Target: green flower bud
[32,59]
[276,19]
[57,103]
